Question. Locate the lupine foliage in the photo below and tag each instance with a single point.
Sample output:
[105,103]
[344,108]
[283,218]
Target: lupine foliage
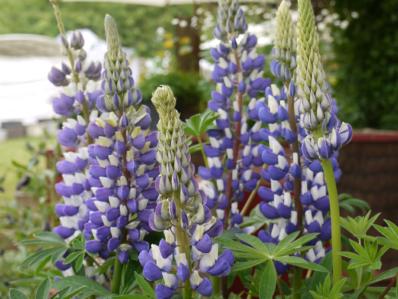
[133,202]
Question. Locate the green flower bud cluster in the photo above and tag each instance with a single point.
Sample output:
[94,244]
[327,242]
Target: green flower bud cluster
[176,184]
[284,51]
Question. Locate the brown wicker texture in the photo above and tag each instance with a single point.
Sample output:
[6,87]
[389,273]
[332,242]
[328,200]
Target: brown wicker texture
[370,172]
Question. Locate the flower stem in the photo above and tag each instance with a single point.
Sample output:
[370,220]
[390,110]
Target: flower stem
[295,148]
[61,29]
[116,277]
[203,152]
[249,201]
[335,218]
[216,286]
[182,242]
[296,283]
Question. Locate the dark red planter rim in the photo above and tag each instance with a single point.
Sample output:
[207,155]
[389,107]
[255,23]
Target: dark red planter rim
[374,136]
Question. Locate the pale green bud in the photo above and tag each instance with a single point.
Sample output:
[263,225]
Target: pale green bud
[112,36]
[310,73]
[285,33]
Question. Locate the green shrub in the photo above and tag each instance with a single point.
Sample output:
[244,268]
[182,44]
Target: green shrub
[367,57]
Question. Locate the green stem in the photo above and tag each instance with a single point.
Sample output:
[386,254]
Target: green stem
[249,201]
[203,152]
[335,218]
[182,241]
[280,290]
[116,277]
[216,286]
[296,283]
[61,29]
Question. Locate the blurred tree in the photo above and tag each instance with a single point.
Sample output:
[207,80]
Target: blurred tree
[367,57]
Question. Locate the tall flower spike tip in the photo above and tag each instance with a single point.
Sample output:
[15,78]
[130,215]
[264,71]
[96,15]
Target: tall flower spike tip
[187,255]
[316,106]
[284,51]
[164,102]
[112,36]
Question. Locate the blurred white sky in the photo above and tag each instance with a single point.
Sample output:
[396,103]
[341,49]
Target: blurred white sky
[24,88]
[25,92]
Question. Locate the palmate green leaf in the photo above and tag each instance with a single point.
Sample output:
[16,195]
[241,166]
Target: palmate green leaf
[144,286]
[367,255]
[351,204]
[41,257]
[318,277]
[267,283]
[192,125]
[45,239]
[291,245]
[385,275]
[254,242]
[78,264]
[69,294]
[16,294]
[241,250]
[327,290]
[302,263]
[243,265]
[359,225]
[198,124]
[73,256]
[84,285]
[43,289]
[390,234]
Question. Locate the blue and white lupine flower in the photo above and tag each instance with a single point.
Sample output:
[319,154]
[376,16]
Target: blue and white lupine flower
[238,74]
[317,109]
[187,255]
[314,198]
[122,161]
[76,105]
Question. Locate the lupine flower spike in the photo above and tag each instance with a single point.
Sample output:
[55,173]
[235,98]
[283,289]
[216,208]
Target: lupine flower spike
[187,256]
[285,171]
[123,164]
[325,133]
[75,104]
[238,74]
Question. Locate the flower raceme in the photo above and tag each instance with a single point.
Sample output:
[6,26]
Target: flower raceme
[76,105]
[296,196]
[187,255]
[238,74]
[122,161]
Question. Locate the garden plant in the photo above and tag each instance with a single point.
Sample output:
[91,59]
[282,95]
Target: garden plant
[258,218]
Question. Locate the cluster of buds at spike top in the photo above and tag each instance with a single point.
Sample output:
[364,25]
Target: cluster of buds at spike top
[187,255]
[81,69]
[75,104]
[79,94]
[238,74]
[317,109]
[123,164]
[284,62]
